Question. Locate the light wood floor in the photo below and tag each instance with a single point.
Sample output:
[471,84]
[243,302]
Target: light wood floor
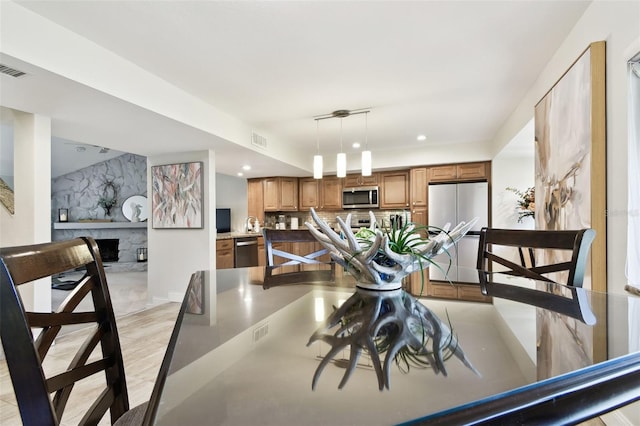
[143,336]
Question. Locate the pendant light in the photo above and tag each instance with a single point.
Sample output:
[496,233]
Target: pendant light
[317,159]
[366,154]
[341,166]
[341,158]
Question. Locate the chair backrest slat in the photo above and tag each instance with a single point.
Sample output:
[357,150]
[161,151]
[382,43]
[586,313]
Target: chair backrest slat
[24,356]
[272,236]
[575,242]
[302,274]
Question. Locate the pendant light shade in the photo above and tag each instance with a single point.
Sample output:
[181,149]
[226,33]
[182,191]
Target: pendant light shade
[366,163]
[317,159]
[341,160]
[317,166]
[341,167]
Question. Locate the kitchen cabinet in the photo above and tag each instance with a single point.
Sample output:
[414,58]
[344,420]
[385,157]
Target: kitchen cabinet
[262,256]
[419,216]
[353,181]
[419,182]
[443,173]
[321,194]
[255,196]
[280,194]
[224,254]
[420,286]
[309,193]
[331,193]
[394,188]
[459,172]
[271,194]
[288,194]
[472,171]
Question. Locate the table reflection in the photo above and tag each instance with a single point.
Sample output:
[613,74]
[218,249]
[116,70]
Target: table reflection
[392,323]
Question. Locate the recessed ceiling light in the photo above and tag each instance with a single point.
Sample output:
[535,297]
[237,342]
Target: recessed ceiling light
[356,145]
[246,167]
[421,138]
[240,174]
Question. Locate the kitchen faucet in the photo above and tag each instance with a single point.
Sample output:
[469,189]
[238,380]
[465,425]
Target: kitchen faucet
[249,226]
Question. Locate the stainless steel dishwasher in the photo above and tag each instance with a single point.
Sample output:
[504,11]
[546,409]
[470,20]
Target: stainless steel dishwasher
[246,252]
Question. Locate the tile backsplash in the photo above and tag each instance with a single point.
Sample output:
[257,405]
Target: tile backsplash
[382,217]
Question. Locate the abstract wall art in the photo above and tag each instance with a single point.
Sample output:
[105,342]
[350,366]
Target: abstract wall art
[177,196]
[570,167]
[570,172]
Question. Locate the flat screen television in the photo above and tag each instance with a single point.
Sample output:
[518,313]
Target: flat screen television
[223,220]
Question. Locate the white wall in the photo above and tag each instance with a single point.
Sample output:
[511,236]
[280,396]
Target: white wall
[31,222]
[513,167]
[618,23]
[174,254]
[231,193]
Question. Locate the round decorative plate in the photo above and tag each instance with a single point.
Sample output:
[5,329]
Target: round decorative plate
[135,208]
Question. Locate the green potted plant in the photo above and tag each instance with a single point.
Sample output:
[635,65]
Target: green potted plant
[109,198]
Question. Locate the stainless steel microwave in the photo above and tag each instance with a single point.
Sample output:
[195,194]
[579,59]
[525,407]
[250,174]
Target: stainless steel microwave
[364,197]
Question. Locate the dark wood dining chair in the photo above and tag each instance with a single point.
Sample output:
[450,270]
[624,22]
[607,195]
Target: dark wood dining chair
[288,267]
[42,398]
[576,243]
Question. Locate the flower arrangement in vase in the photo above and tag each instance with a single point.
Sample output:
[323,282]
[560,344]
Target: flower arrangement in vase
[526,202]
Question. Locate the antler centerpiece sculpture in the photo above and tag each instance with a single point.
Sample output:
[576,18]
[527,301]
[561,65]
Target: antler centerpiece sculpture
[380,259]
[381,318]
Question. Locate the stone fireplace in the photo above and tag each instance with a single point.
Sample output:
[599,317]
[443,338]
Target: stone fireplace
[108,248]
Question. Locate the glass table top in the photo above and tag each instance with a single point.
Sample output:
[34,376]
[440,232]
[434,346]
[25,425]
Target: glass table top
[244,351]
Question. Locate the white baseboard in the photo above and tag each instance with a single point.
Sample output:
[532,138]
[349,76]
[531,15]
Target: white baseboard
[175,296]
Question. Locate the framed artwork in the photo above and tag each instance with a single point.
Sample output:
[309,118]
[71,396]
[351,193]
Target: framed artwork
[177,196]
[570,173]
[570,169]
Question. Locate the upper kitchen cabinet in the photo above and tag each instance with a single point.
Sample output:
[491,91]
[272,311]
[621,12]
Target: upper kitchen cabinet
[419,187]
[321,194]
[459,172]
[394,187]
[255,205]
[353,181]
[309,197]
[331,193]
[280,194]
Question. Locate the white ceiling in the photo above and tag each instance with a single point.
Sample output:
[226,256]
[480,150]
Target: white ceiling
[451,70]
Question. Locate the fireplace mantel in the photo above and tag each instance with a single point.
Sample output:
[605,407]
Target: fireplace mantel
[98,225]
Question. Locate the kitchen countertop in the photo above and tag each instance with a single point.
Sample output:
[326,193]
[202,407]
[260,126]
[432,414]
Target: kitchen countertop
[230,235]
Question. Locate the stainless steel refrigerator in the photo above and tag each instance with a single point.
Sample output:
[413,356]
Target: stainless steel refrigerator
[454,203]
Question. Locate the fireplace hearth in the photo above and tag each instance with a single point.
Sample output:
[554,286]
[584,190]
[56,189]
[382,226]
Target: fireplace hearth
[108,248]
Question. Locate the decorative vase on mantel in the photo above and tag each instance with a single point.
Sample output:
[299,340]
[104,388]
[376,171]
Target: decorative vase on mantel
[380,318]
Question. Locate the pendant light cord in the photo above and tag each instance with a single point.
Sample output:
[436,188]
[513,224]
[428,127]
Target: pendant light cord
[341,150]
[366,132]
[318,137]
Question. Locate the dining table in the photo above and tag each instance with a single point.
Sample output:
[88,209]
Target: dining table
[245,352]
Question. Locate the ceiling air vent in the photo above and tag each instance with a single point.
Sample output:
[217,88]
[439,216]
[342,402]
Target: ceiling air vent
[258,140]
[11,71]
